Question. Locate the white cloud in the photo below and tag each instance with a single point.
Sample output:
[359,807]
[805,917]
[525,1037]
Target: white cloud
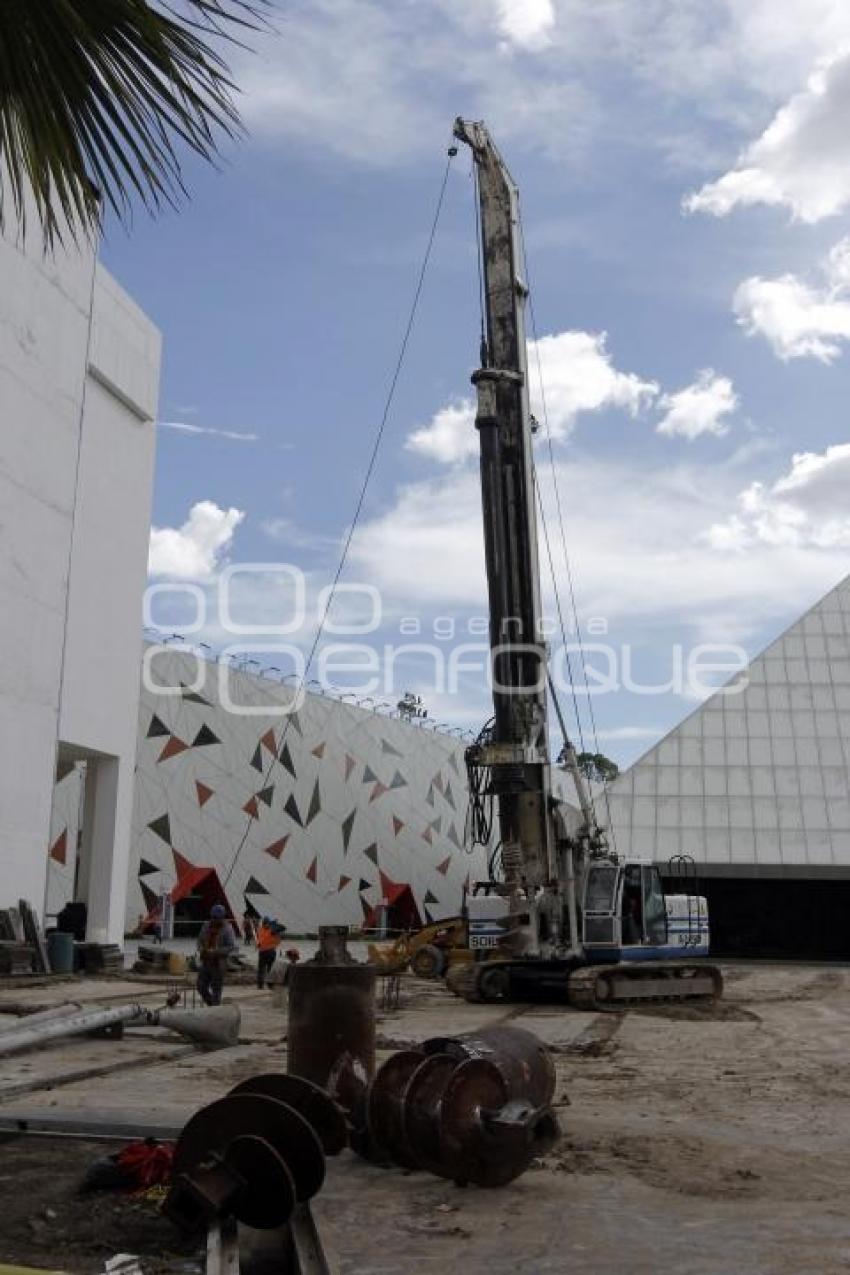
[798,319]
[451,437]
[700,408]
[805,508]
[185,427]
[637,540]
[378,83]
[578,376]
[527,23]
[800,161]
[195,550]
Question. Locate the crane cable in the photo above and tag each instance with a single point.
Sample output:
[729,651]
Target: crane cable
[567,562]
[370,468]
[557,593]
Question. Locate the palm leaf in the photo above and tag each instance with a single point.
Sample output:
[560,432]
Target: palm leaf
[98,97]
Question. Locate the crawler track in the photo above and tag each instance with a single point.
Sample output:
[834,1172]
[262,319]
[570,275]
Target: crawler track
[593,987]
[600,987]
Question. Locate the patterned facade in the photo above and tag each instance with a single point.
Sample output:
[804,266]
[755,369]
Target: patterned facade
[311,815]
[758,777]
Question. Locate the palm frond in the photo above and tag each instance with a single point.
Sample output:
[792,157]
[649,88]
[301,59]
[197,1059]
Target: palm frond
[98,96]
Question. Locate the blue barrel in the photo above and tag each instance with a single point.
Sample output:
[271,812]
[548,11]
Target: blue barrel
[60,951]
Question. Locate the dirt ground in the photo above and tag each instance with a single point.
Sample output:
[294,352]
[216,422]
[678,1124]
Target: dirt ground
[713,1140]
[47,1221]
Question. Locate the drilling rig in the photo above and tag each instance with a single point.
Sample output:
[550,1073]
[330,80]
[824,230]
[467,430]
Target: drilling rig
[576,918]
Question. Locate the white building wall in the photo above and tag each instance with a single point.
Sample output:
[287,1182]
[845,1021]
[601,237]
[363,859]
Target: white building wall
[759,778]
[44,322]
[78,384]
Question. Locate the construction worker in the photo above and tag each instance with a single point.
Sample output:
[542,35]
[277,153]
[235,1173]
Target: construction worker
[215,941]
[269,938]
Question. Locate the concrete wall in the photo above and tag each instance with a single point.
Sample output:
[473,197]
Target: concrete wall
[79,367]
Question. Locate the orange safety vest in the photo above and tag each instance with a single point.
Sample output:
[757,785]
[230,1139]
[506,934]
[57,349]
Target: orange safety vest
[267,940]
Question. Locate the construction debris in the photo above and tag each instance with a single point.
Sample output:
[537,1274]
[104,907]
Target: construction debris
[34,935]
[20,949]
[99,958]
[16,958]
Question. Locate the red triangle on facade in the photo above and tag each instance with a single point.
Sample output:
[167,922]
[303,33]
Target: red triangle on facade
[378,790]
[59,849]
[172,748]
[311,871]
[277,848]
[443,867]
[319,750]
[268,741]
[343,882]
[181,864]
[398,824]
[250,808]
[204,793]
[428,835]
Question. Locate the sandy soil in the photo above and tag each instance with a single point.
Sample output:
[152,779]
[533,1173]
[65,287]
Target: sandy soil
[715,1141]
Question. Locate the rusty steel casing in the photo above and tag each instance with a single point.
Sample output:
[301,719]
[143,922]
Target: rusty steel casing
[521,1059]
[331,1033]
[472,1108]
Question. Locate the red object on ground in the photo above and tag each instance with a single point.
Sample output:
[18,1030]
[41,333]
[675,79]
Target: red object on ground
[146,1164]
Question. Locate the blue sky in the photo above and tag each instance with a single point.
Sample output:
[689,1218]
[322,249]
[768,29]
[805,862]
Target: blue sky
[685,183]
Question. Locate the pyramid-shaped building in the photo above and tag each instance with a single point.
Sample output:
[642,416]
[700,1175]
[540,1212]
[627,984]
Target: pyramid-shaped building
[755,786]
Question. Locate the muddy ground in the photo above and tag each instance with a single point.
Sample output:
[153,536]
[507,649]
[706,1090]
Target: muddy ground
[714,1141]
[45,1219]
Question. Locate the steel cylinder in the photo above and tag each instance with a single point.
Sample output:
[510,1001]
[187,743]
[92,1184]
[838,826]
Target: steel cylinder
[331,1032]
[523,1062]
[472,1108]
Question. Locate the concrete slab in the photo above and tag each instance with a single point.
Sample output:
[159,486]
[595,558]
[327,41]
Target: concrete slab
[66,1061]
[560,1030]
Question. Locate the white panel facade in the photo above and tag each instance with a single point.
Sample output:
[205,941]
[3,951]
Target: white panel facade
[44,323]
[759,775]
[75,469]
[309,815]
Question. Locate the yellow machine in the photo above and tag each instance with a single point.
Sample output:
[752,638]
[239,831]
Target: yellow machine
[428,952]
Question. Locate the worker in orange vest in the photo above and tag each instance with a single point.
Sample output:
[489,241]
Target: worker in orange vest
[269,938]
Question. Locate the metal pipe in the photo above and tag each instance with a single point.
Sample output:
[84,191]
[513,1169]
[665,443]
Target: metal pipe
[18,1021]
[215,1028]
[19,1040]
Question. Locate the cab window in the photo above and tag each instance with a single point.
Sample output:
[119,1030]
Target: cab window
[654,908]
[600,888]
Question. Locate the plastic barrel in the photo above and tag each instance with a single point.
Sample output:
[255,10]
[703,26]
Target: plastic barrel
[60,951]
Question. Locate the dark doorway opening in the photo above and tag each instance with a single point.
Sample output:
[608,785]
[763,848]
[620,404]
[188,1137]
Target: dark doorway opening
[770,917]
